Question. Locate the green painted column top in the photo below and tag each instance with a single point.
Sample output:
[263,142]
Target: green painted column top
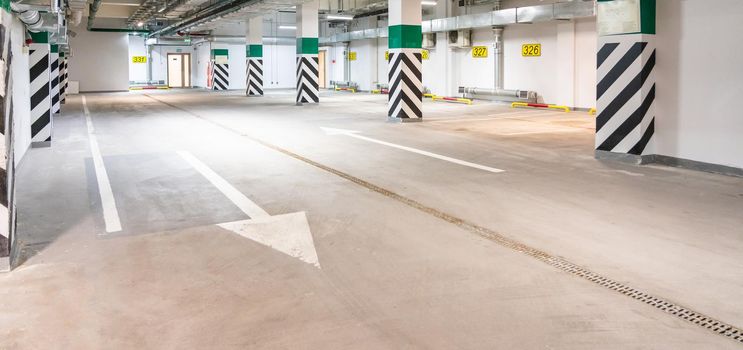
[61,54]
[254,50]
[405,36]
[40,37]
[308,46]
[55,48]
[617,17]
[5,4]
[220,52]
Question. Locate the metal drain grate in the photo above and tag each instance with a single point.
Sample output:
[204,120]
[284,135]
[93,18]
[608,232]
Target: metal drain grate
[666,306]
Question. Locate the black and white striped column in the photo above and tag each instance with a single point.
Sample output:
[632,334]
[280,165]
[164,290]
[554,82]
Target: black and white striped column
[625,92]
[308,76]
[7,162]
[54,78]
[41,101]
[254,53]
[405,99]
[220,69]
[62,77]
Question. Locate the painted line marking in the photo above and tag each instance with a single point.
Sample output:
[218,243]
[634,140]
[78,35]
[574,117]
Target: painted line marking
[286,233]
[355,134]
[110,213]
[240,200]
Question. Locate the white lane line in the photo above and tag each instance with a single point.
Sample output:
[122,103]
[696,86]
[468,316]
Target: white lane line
[239,199]
[354,134]
[110,214]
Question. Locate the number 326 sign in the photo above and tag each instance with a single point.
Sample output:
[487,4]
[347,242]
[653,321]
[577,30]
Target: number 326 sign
[531,50]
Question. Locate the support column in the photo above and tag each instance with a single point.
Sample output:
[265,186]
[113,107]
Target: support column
[626,83]
[254,50]
[308,77]
[62,77]
[7,162]
[40,90]
[54,78]
[220,69]
[405,63]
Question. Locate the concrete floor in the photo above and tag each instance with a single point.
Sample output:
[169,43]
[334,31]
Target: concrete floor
[392,276]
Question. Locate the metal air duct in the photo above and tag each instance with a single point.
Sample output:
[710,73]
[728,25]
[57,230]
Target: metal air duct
[34,20]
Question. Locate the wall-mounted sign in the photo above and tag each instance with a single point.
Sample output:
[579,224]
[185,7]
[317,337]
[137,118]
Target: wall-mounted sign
[352,56]
[139,59]
[618,17]
[531,50]
[480,51]
[386,55]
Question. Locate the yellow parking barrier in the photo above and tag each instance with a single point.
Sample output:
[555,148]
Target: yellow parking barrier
[592,111]
[539,105]
[345,89]
[452,99]
[429,95]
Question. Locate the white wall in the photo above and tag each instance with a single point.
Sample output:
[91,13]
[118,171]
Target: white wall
[99,60]
[279,66]
[199,64]
[19,71]
[699,72]
[137,71]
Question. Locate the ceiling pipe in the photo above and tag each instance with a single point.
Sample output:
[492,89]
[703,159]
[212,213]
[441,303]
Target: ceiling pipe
[205,14]
[93,11]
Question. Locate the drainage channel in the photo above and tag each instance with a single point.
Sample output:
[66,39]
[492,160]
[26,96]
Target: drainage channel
[689,315]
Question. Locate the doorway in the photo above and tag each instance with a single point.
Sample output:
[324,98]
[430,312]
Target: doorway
[179,70]
[321,67]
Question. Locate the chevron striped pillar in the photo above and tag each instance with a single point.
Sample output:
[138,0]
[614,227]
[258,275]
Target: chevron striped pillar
[7,162]
[625,91]
[62,77]
[308,77]
[40,89]
[54,78]
[254,51]
[220,69]
[405,61]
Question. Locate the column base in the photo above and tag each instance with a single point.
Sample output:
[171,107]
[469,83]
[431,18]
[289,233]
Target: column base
[621,157]
[41,144]
[5,264]
[404,120]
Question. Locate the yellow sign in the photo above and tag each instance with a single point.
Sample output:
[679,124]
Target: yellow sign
[480,51]
[531,50]
[352,56]
[386,55]
[139,59]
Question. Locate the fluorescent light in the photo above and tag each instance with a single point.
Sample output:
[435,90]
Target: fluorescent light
[340,17]
[140,23]
[288,27]
[428,3]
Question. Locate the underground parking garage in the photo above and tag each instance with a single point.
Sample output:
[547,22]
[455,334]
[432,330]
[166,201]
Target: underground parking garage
[290,174]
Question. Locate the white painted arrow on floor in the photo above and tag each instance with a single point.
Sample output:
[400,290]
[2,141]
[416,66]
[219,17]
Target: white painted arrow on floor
[287,233]
[355,134]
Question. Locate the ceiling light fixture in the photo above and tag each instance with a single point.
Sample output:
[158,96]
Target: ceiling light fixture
[340,17]
[140,24]
[428,3]
[288,27]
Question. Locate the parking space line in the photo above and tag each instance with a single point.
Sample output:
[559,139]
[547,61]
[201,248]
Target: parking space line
[110,213]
